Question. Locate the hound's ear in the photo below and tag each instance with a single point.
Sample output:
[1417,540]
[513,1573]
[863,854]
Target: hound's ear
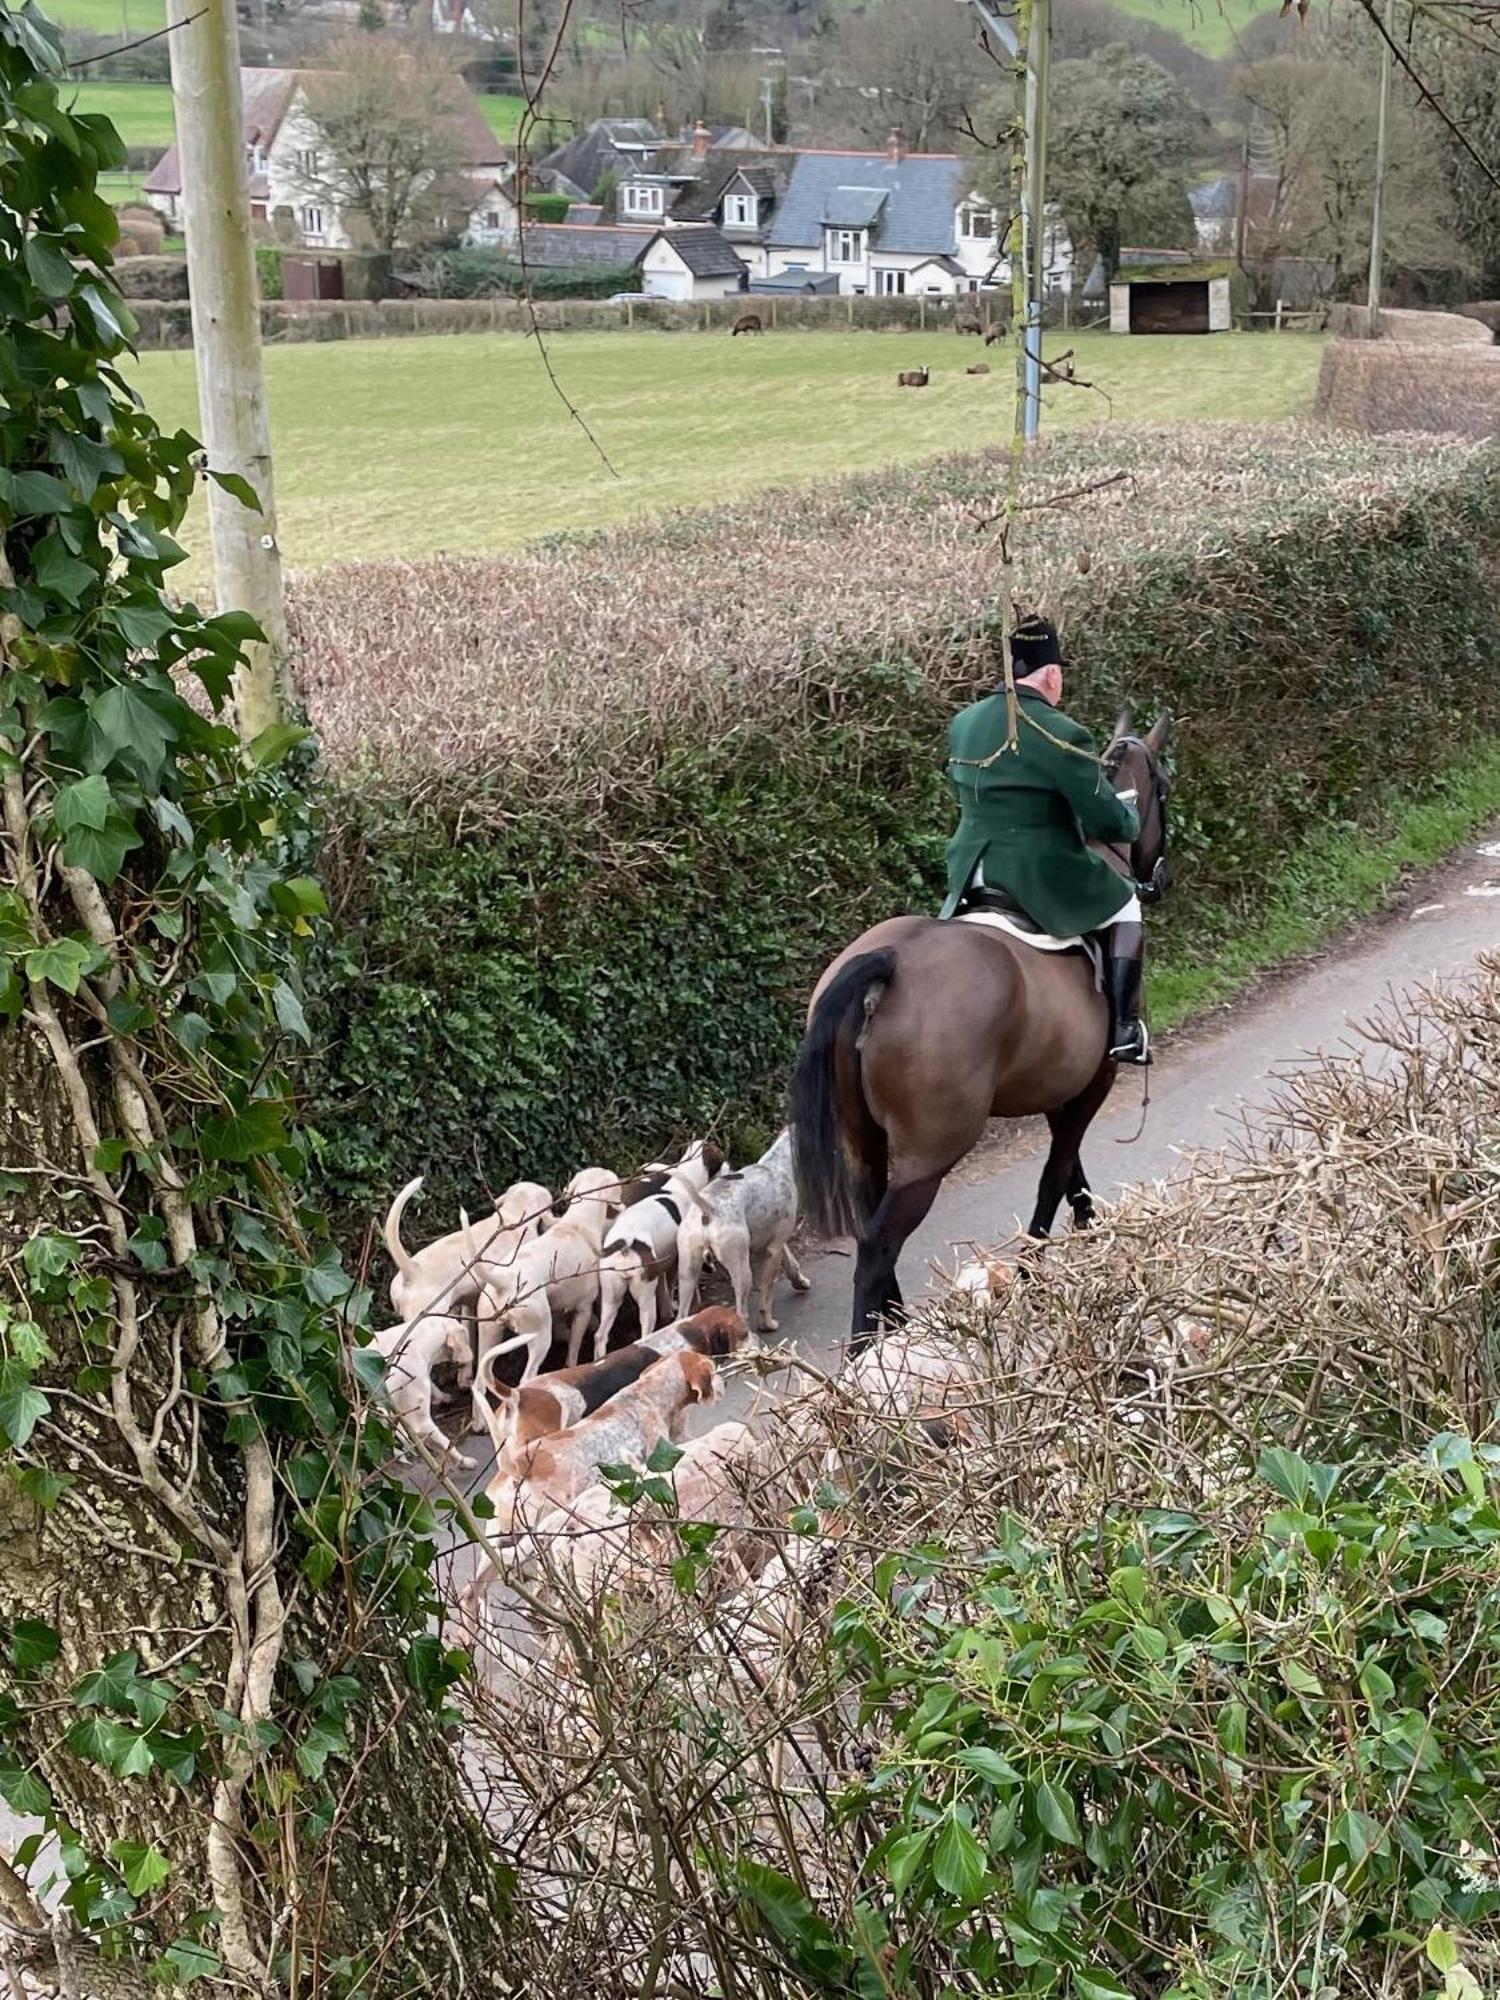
[1123,722]
[1160,731]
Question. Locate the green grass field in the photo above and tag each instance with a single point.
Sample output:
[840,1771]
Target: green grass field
[400,447]
[126,18]
[1209,25]
[502,114]
[141,112]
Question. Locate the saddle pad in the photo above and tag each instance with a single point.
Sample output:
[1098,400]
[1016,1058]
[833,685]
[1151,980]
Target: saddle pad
[996,920]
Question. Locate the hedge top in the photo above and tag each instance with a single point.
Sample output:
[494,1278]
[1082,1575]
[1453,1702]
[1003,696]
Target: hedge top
[585,653]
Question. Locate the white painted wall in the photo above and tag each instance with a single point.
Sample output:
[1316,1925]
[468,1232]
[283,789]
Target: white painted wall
[665,276]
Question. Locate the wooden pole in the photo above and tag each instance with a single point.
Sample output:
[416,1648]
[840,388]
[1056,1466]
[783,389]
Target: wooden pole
[1377,216]
[226,342]
[1038,70]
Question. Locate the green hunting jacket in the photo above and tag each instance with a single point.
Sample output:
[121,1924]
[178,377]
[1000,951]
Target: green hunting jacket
[1029,814]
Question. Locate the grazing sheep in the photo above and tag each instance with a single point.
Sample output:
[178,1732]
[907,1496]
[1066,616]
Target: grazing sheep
[912,378]
[967,326]
[746,323]
[995,334]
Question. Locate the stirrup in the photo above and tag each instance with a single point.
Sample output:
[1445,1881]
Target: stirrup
[1132,1046]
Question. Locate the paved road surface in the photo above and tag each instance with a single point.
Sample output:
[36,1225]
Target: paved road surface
[1202,1085]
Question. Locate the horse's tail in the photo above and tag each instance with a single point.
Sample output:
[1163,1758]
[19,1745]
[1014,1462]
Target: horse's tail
[838,1147]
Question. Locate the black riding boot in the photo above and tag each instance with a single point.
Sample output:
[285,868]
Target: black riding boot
[1128,1040]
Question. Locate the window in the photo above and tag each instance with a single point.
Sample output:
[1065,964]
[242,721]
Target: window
[311,220]
[976,221]
[889,284]
[642,200]
[492,218]
[740,211]
[256,158]
[307,162]
[846,246]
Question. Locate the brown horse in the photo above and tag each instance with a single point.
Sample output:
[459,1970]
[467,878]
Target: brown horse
[921,1031]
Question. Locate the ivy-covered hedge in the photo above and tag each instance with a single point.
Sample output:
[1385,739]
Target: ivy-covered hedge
[599,932]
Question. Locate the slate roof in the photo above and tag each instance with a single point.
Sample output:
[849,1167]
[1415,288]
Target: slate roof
[797,280]
[606,146]
[766,172]
[854,207]
[703,250]
[566,246]
[920,193]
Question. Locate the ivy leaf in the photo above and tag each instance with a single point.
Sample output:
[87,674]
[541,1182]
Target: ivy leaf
[127,725]
[101,853]
[185,1960]
[274,743]
[113,323]
[289,1011]
[958,1861]
[27,494]
[83,804]
[45,1487]
[62,963]
[22,1407]
[108,1686]
[49,266]
[144,1868]
[1287,1471]
[1055,1810]
[142,626]
[258,1128]
[24,1792]
[239,488]
[1094,1983]
[60,573]
[32,1644]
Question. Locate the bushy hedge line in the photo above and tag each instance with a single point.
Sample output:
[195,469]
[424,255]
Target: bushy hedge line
[600,933]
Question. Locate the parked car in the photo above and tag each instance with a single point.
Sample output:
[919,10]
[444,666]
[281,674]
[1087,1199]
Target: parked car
[630,298]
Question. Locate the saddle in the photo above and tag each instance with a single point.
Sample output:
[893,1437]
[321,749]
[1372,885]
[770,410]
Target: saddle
[997,909]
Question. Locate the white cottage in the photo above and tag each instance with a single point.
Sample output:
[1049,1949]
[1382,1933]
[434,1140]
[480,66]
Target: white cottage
[692,262]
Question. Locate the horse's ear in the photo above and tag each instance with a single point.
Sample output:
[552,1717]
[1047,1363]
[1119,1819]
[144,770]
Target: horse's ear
[1160,730]
[1123,721]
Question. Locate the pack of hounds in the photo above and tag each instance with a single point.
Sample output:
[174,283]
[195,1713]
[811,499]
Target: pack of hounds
[539,1268]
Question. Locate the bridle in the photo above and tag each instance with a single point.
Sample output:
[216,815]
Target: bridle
[1152,884]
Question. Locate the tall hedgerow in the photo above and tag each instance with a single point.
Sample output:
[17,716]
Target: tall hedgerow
[215,1608]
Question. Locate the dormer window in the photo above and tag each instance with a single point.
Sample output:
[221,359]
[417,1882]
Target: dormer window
[976,222]
[639,199]
[255,156]
[846,246]
[741,211]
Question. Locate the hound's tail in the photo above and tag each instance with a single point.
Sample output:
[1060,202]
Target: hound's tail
[840,1150]
[399,1254]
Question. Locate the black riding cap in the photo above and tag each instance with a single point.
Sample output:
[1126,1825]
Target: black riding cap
[1033,645]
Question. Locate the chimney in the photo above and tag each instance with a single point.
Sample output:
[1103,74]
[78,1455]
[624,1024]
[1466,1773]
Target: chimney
[701,138]
[895,147]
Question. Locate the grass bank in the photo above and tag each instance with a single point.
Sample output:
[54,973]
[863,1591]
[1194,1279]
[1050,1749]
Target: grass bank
[406,447]
[140,112]
[1339,874]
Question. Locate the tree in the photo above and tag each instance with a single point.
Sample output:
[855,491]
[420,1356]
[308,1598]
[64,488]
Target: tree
[908,65]
[220,1664]
[386,145]
[1123,137]
[1466,76]
[1317,119]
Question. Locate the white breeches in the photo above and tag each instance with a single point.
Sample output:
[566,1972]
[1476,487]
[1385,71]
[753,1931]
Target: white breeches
[1129,914]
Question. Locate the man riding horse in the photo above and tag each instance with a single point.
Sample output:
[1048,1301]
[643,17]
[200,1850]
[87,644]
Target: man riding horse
[1026,814]
[922,1029]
